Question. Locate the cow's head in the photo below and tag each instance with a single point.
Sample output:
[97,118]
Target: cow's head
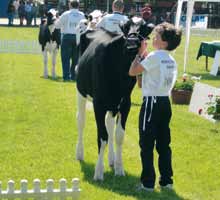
[51,16]
[136,30]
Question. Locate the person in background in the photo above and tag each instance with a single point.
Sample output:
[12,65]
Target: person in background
[112,22]
[34,12]
[68,22]
[132,12]
[42,11]
[11,12]
[28,8]
[16,5]
[146,13]
[159,72]
[21,12]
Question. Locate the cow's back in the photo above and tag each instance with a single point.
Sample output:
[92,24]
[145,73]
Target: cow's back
[99,71]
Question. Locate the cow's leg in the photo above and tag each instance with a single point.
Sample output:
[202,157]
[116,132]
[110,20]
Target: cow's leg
[119,135]
[81,113]
[54,55]
[110,124]
[119,138]
[100,113]
[45,57]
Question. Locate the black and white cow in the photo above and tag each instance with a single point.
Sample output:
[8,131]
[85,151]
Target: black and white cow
[49,38]
[102,74]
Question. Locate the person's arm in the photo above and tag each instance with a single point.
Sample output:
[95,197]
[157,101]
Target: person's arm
[136,68]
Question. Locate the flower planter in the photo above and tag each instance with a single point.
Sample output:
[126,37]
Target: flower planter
[181,96]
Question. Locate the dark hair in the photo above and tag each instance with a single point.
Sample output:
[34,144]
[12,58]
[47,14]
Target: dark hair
[74,3]
[169,34]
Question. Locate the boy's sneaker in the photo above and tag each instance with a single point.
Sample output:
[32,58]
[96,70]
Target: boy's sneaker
[143,188]
[167,186]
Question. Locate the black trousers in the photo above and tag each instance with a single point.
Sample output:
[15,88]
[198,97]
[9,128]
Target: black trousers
[154,119]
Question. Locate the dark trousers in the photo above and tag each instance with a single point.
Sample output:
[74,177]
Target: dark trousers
[69,53]
[154,130]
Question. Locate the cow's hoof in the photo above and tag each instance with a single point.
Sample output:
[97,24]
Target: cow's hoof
[46,76]
[98,177]
[79,152]
[119,172]
[99,172]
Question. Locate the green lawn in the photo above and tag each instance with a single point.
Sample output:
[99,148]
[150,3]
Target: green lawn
[38,133]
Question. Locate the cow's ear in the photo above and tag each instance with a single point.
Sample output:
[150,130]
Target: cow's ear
[145,30]
[126,27]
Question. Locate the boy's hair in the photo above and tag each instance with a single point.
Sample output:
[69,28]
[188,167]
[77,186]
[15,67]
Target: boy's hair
[118,4]
[169,34]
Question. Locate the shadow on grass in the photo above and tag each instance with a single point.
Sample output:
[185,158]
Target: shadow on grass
[58,79]
[126,185]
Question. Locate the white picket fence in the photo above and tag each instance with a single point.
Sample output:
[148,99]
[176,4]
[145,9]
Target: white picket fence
[38,193]
[20,46]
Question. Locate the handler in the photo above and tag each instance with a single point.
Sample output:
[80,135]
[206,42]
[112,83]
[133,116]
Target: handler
[159,72]
[68,22]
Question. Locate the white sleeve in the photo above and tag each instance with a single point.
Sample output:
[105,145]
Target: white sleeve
[150,62]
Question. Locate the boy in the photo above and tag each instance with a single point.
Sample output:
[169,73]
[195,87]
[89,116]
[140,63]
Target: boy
[159,71]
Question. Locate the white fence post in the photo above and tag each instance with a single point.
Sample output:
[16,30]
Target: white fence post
[36,184]
[62,188]
[24,184]
[11,185]
[75,188]
[50,184]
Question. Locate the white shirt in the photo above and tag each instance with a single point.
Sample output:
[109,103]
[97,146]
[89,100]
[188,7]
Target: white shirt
[159,75]
[69,20]
[111,22]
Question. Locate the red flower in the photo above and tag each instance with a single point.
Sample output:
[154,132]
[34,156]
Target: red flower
[200,111]
[210,95]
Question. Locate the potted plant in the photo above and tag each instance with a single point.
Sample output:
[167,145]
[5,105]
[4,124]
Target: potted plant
[213,106]
[182,91]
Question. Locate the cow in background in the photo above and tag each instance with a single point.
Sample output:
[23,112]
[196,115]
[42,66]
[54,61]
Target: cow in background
[102,74]
[49,38]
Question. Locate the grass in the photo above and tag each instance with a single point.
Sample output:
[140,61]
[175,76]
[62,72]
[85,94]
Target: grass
[38,133]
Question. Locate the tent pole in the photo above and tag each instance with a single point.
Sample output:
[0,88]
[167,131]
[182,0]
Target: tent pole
[190,5]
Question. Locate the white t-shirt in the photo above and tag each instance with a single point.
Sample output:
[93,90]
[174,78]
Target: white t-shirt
[111,22]
[159,75]
[69,20]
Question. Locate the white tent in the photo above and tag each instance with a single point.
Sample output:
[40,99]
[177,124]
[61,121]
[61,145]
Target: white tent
[190,5]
